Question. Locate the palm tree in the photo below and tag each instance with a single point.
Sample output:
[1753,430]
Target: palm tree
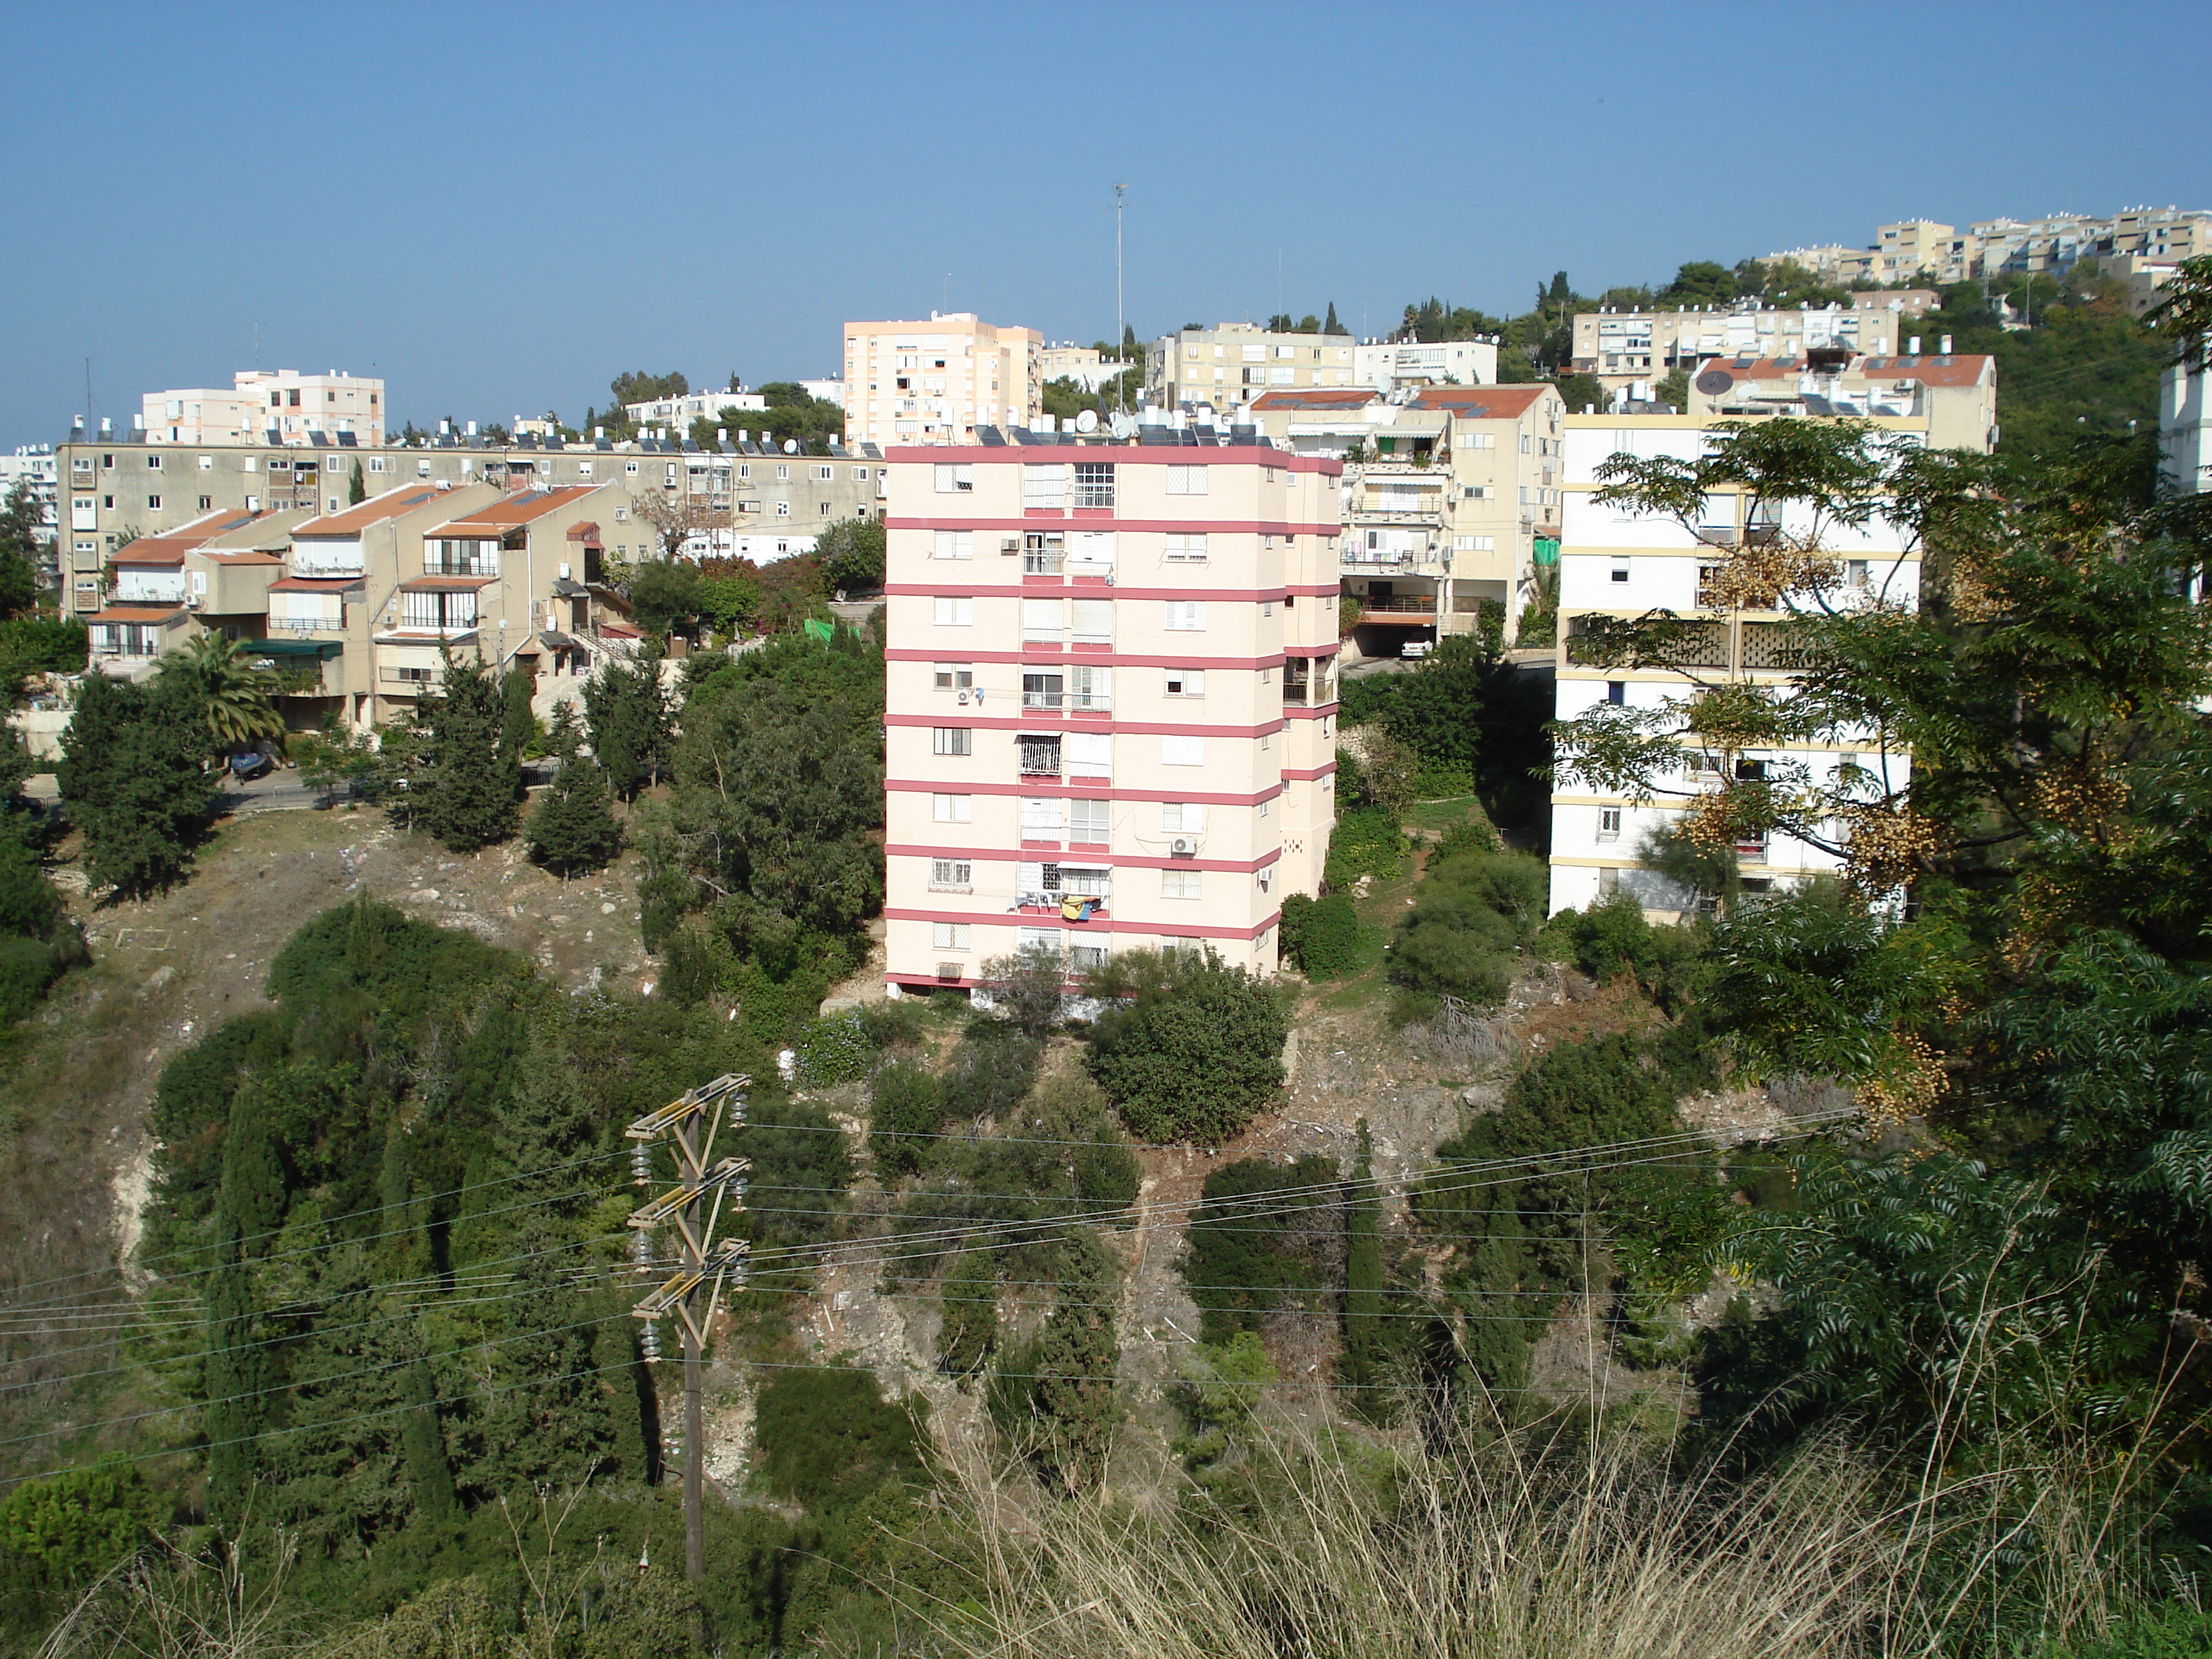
[235,695]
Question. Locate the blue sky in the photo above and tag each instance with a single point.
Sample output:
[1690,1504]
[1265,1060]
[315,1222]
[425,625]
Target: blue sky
[497,208]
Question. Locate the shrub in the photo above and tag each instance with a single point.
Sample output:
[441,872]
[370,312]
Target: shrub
[827,1438]
[991,1071]
[27,967]
[834,1050]
[1194,1052]
[1473,914]
[1443,781]
[1263,1233]
[1107,1177]
[1321,937]
[906,1105]
[1364,842]
[33,645]
[1027,988]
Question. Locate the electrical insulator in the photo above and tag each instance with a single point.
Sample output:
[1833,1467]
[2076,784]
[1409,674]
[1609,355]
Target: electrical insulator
[640,1166]
[651,1340]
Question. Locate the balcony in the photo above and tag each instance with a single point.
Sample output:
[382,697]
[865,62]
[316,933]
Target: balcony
[1040,758]
[1411,608]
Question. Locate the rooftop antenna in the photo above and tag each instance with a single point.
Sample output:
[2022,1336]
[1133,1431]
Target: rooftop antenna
[1121,327]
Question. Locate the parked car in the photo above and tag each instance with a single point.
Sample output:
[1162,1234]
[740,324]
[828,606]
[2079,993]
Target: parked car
[1414,649]
[251,763]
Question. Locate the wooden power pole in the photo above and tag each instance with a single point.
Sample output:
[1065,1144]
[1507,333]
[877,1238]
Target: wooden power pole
[693,1208]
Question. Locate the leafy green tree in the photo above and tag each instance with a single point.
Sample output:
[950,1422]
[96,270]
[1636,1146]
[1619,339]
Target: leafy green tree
[632,724]
[240,1375]
[131,776]
[828,1437]
[1065,398]
[519,731]
[573,828]
[905,1104]
[968,1333]
[664,597]
[852,554]
[1265,1235]
[1700,281]
[1192,1047]
[1363,1267]
[474,780]
[636,386]
[60,1532]
[1028,989]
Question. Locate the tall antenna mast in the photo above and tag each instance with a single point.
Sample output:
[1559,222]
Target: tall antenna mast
[1120,328]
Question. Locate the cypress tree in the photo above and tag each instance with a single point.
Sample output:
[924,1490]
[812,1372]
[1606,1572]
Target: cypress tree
[131,776]
[623,1381]
[573,828]
[518,724]
[1075,1359]
[474,780]
[1329,324]
[1363,1267]
[357,490]
[430,1474]
[405,1219]
[631,723]
[238,1374]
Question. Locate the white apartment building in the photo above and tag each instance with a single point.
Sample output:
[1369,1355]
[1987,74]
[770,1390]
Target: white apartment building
[938,381]
[1617,563]
[1390,366]
[1064,360]
[37,467]
[2185,444]
[1622,348]
[678,413]
[1955,395]
[1232,363]
[1991,247]
[1112,696]
[264,406]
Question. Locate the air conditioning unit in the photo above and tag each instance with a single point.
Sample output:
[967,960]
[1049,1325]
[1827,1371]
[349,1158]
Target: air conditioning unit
[948,970]
[1182,846]
[1010,544]
[194,601]
[1266,880]
[964,699]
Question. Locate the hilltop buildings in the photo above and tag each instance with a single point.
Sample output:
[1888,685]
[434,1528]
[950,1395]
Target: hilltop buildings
[267,406]
[1912,248]
[1622,348]
[1112,695]
[938,381]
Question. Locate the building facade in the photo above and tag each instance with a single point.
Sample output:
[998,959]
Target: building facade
[1064,360]
[2185,432]
[1956,397]
[751,495]
[938,381]
[266,406]
[1451,501]
[1622,348]
[1993,247]
[1112,697]
[36,468]
[1390,366]
[1614,562]
[1228,365]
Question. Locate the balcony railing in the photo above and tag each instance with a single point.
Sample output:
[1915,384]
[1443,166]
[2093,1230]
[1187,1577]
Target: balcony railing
[1400,605]
[1043,564]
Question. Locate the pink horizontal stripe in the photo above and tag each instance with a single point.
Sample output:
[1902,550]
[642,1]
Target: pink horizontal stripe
[1294,774]
[1119,454]
[1035,720]
[1226,664]
[1040,789]
[1312,713]
[1033,516]
[1081,850]
[954,589]
[1104,925]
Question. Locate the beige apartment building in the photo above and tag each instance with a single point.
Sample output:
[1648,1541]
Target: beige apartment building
[938,381]
[1228,365]
[1393,365]
[1450,498]
[752,499]
[1112,696]
[267,406]
[1992,247]
[1954,397]
[1064,360]
[1622,348]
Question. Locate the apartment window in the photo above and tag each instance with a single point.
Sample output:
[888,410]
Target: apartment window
[1044,620]
[952,809]
[1182,883]
[1608,882]
[955,675]
[1608,824]
[1090,821]
[154,502]
[954,544]
[1475,544]
[1186,481]
[1092,622]
[744,469]
[1089,754]
[153,462]
[952,740]
[1186,549]
[1181,750]
[423,471]
[955,612]
[783,509]
[1043,817]
[630,467]
[1621,570]
[1043,485]
[207,463]
[951,875]
[1616,692]
[783,474]
[1182,818]
[1094,485]
[825,473]
[444,612]
[207,503]
[948,935]
[1854,573]
[1186,615]
[376,463]
[952,479]
[860,475]
[1186,682]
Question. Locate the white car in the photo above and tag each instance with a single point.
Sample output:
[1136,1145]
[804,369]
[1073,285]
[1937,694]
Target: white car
[1414,649]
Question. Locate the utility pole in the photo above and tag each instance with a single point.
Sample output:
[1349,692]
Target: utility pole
[702,1263]
[1121,327]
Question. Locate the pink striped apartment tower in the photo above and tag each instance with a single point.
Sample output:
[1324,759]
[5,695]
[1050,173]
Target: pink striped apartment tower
[1112,702]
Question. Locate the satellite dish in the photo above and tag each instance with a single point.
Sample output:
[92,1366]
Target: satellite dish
[1125,426]
[790,446]
[1087,420]
[1715,381]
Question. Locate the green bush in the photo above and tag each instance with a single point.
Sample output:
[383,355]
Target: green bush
[1264,1235]
[27,968]
[1107,1177]
[1364,842]
[1445,781]
[1321,937]
[1469,835]
[2170,1633]
[1473,915]
[834,1050]
[906,1105]
[1194,1050]
[34,645]
[828,1438]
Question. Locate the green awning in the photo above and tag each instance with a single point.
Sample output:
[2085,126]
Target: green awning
[323,649]
[1547,550]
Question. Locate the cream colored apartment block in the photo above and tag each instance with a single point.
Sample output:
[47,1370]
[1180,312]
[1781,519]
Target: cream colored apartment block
[1956,396]
[936,382]
[1111,698]
[1992,247]
[1617,563]
[1622,348]
[282,401]
[1230,364]
[1451,500]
